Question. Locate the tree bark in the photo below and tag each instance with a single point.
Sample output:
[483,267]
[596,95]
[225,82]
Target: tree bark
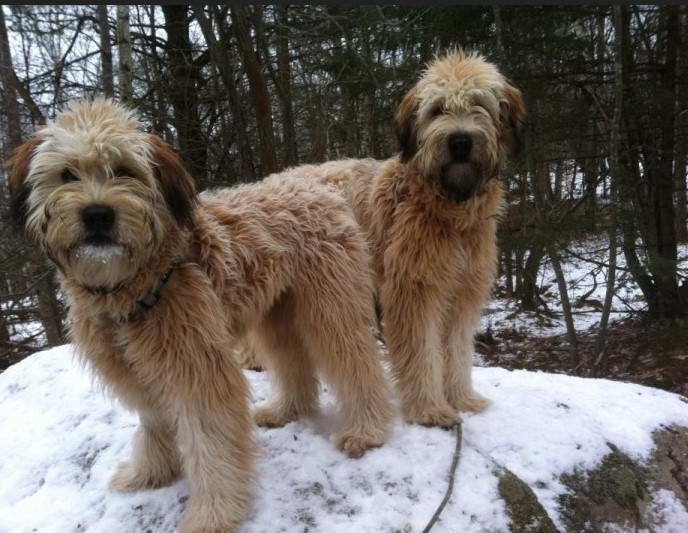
[528,286]
[259,90]
[599,352]
[184,74]
[49,308]
[105,51]
[681,151]
[565,303]
[664,266]
[291,156]
[124,49]
[219,53]
[9,96]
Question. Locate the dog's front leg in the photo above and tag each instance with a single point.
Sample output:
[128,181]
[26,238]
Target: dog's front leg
[458,347]
[154,461]
[412,313]
[214,434]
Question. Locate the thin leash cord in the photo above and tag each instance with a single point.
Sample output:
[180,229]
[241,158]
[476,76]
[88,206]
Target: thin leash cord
[450,484]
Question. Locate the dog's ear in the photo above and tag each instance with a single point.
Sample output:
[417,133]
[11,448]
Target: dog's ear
[512,112]
[406,126]
[17,171]
[176,184]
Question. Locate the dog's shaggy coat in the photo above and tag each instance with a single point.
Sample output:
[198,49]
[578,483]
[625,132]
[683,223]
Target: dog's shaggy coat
[431,217]
[162,283]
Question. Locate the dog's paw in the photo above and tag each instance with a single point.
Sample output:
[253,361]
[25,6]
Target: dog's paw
[355,445]
[437,417]
[208,520]
[271,417]
[472,402]
[128,478]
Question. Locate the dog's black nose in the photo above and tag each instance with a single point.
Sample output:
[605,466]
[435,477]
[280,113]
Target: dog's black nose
[460,146]
[98,218]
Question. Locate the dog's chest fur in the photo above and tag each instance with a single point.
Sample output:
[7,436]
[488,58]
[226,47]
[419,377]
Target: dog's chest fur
[431,237]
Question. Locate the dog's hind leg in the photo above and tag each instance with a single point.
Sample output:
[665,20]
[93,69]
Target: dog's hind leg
[289,366]
[338,330]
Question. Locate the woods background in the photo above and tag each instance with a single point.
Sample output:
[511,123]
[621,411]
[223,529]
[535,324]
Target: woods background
[244,91]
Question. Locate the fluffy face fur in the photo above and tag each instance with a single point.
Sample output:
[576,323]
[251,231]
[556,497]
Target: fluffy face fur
[95,155]
[163,284]
[460,98]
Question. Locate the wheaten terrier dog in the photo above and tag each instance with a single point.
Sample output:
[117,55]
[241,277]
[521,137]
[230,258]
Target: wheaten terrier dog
[162,283]
[431,218]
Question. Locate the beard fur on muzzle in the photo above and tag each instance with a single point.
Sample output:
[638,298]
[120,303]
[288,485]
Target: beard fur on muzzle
[460,181]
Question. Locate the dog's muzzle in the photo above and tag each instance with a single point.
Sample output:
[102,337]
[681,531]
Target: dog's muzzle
[460,181]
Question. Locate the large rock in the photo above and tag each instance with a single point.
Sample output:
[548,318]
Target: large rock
[553,453]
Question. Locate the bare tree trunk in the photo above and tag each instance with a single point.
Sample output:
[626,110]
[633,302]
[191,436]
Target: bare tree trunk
[680,172]
[680,169]
[219,53]
[259,90]
[291,157]
[528,286]
[599,352]
[318,130]
[184,74]
[12,85]
[507,261]
[124,48]
[565,302]
[664,267]
[9,96]
[4,332]
[621,166]
[105,51]
[160,122]
[499,32]
[49,308]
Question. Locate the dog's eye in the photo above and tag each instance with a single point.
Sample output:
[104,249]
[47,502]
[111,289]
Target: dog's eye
[437,111]
[68,176]
[123,172]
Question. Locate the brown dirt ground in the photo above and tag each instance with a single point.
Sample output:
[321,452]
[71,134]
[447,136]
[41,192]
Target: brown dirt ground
[638,351]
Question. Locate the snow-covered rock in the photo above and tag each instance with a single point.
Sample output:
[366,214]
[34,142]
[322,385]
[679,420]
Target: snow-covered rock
[543,440]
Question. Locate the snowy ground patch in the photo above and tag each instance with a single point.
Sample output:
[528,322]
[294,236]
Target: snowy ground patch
[61,440]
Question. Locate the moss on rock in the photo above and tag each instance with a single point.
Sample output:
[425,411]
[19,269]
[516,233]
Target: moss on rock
[525,511]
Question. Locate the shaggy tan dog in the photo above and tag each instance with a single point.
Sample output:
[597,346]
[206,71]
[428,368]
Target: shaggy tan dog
[431,217]
[161,284]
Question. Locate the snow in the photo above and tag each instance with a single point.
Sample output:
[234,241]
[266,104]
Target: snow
[584,266]
[62,438]
[669,512]
[100,253]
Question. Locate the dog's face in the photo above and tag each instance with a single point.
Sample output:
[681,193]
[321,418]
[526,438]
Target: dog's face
[98,194]
[459,124]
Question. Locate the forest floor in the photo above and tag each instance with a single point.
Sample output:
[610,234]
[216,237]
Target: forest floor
[637,350]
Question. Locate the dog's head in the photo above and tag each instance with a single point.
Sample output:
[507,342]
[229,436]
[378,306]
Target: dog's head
[460,123]
[99,194]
